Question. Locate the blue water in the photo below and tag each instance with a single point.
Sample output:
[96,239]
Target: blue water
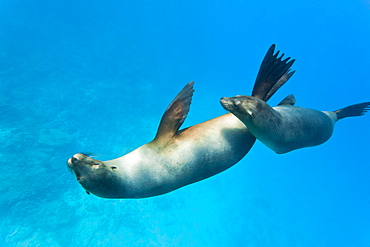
[96,76]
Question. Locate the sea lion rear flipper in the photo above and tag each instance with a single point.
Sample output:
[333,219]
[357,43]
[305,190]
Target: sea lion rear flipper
[353,110]
[273,73]
[288,100]
[175,114]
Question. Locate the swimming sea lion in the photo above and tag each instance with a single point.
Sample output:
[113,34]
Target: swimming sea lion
[176,158]
[286,127]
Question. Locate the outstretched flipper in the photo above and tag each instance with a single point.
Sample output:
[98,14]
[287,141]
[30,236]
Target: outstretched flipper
[273,74]
[353,110]
[175,114]
[280,83]
[288,100]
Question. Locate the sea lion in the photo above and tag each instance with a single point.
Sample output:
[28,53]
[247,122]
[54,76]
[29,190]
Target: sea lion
[176,158]
[286,127]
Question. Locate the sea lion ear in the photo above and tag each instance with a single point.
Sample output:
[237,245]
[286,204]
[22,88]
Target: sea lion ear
[288,100]
[175,114]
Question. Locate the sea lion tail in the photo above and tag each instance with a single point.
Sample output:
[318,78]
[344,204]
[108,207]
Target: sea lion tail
[353,110]
[273,73]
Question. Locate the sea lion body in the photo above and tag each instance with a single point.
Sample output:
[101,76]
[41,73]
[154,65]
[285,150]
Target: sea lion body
[154,169]
[176,158]
[307,128]
[286,127]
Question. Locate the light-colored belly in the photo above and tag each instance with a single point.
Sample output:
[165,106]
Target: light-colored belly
[196,153]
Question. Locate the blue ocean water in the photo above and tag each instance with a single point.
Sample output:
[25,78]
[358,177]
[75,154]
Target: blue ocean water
[96,76]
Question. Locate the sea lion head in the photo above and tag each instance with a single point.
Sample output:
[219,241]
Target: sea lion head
[246,108]
[92,174]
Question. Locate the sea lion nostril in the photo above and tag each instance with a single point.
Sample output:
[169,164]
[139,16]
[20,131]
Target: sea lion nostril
[74,159]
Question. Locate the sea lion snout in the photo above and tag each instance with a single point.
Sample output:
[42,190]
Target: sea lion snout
[232,104]
[73,159]
[226,103]
[76,158]
[82,165]
[79,156]
[223,100]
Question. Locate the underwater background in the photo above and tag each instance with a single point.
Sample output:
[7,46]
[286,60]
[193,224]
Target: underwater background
[96,76]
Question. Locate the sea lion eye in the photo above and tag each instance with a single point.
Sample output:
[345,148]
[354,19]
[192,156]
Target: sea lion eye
[113,168]
[237,102]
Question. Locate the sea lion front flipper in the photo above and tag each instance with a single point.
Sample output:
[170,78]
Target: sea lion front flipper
[288,100]
[273,73]
[175,114]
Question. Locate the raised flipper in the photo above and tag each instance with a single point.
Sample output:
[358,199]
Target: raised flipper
[353,110]
[288,100]
[280,83]
[273,73]
[175,114]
